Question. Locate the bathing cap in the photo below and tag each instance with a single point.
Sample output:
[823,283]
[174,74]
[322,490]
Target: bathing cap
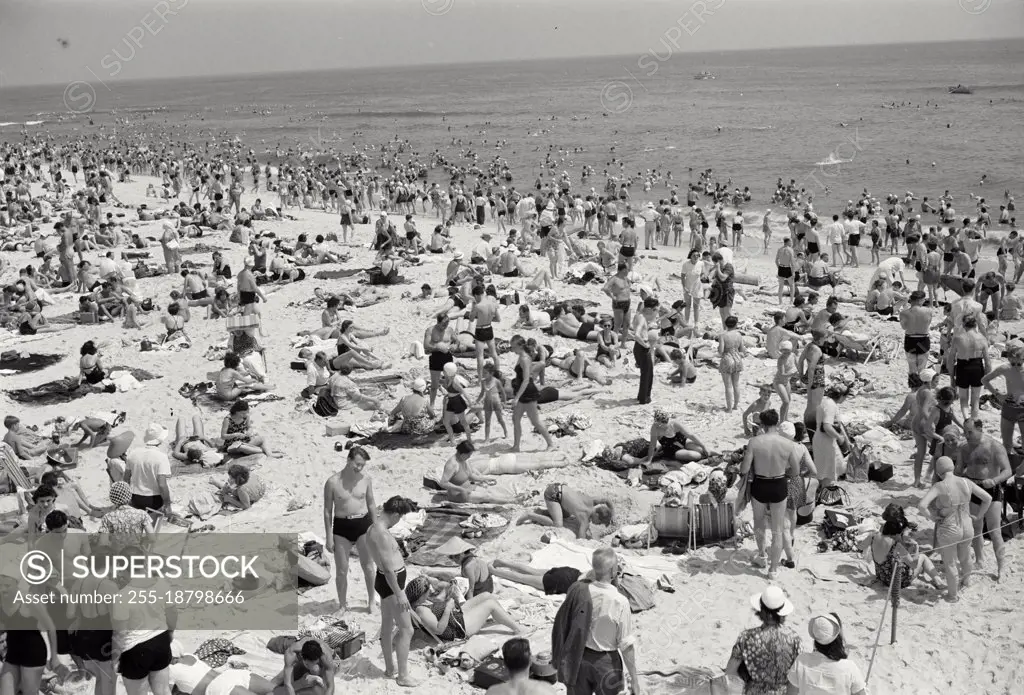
[943,466]
[450,369]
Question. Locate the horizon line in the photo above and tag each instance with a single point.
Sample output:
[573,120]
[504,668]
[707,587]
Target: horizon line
[508,61]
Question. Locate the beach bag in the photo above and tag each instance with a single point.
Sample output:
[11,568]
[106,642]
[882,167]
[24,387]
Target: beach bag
[325,406]
[837,522]
[833,495]
[805,512]
[242,321]
[880,472]
[172,244]
[638,591]
[859,462]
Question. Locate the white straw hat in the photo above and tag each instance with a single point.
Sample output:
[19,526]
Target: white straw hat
[774,599]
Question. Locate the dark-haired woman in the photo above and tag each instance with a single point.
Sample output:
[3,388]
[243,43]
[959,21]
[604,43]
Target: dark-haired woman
[763,656]
[525,395]
[389,584]
[828,669]
[436,610]
[90,365]
[232,384]
[730,351]
[893,550]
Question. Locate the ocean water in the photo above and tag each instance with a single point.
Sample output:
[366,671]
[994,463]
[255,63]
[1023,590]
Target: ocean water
[767,114]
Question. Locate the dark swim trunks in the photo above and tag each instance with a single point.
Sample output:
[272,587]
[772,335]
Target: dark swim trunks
[381,586]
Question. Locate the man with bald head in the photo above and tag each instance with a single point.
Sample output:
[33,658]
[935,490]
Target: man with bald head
[609,640]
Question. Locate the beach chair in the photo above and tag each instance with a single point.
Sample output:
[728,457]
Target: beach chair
[882,347]
[10,465]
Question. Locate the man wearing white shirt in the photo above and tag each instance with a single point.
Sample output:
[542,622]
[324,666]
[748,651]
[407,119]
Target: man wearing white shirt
[693,290]
[834,234]
[851,235]
[148,469]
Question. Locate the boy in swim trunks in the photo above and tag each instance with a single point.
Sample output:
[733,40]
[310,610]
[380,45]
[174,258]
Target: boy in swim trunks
[307,664]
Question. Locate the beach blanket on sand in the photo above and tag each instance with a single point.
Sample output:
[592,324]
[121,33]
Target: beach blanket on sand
[563,553]
[204,393]
[68,389]
[439,526]
[31,362]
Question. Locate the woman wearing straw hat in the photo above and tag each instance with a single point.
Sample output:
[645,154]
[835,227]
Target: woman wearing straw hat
[762,656]
[827,670]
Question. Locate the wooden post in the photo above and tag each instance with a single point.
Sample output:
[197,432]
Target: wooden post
[881,621]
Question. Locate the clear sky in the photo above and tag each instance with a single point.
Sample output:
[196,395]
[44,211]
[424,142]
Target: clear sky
[118,39]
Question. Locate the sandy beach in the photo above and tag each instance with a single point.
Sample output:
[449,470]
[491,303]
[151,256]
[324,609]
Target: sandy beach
[968,647]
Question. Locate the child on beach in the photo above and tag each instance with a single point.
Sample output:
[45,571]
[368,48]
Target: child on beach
[492,395]
[764,396]
[785,370]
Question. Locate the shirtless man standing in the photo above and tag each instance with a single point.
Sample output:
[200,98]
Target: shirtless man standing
[485,313]
[248,290]
[1011,415]
[349,512]
[389,584]
[983,460]
[627,246]
[785,259]
[916,322]
[618,288]
[969,356]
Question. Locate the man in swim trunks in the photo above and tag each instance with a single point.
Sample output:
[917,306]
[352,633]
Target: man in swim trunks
[248,290]
[553,582]
[462,481]
[984,460]
[485,312]
[627,246]
[619,288]
[991,284]
[389,584]
[307,664]
[916,322]
[349,511]
[565,506]
[785,259]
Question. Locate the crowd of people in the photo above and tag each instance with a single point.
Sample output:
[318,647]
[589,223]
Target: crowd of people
[503,247]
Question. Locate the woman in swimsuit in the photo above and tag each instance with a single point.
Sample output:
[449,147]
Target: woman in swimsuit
[811,367]
[232,384]
[352,353]
[671,438]
[607,344]
[923,417]
[389,584]
[236,433]
[456,402]
[173,323]
[893,550]
[436,610]
[525,395]
[243,342]
[969,355]
[731,349]
[90,365]
[948,501]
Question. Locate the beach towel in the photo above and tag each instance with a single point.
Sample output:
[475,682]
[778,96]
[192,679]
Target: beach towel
[14,363]
[562,553]
[68,389]
[203,394]
[440,526]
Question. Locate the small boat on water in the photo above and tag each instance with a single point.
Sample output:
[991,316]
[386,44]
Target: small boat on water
[961,89]
[704,75]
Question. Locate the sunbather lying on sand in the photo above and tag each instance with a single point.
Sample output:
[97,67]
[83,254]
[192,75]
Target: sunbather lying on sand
[191,676]
[578,364]
[194,448]
[553,582]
